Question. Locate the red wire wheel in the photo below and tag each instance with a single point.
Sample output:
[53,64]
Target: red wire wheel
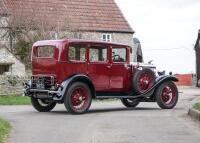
[167,95]
[143,80]
[78,98]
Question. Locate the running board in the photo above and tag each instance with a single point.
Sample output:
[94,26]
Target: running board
[119,97]
[102,95]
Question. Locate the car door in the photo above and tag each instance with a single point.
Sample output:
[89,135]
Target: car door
[76,57]
[99,66]
[121,72]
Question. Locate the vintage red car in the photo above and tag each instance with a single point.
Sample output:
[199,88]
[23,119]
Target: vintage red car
[74,72]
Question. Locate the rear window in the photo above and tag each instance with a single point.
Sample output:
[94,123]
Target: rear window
[45,51]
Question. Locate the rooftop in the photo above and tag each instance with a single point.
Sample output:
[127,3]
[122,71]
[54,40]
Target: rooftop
[83,15]
[54,42]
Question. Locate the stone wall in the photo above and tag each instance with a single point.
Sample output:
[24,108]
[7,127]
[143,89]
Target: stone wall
[12,85]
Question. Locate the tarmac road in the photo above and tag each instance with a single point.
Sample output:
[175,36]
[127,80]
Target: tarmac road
[106,122]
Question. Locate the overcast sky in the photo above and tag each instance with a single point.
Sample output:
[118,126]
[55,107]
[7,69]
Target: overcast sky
[167,30]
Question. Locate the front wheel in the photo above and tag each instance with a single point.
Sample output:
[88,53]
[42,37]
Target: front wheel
[42,105]
[78,98]
[130,102]
[167,95]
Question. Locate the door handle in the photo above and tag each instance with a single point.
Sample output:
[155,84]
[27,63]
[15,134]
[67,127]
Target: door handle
[108,67]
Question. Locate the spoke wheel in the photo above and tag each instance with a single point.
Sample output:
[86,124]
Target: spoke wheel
[143,80]
[78,98]
[167,95]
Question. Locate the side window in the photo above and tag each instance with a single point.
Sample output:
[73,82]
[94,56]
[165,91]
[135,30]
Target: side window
[76,53]
[98,54]
[118,54]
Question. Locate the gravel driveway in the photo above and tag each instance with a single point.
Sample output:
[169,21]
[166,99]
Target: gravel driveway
[106,122]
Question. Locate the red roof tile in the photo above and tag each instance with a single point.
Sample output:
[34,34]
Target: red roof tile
[87,15]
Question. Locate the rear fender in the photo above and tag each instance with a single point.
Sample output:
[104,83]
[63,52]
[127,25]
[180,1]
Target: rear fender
[65,84]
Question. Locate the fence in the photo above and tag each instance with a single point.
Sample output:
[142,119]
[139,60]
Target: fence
[185,79]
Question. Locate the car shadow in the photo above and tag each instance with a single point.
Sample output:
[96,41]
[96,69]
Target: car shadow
[105,110]
[119,109]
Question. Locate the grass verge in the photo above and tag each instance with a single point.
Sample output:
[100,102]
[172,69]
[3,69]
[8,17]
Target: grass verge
[197,106]
[5,128]
[14,100]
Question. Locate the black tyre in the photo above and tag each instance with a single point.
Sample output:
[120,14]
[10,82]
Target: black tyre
[42,105]
[78,98]
[143,80]
[167,95]
[130,102]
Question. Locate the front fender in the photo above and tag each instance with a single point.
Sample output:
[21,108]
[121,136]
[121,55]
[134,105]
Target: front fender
[164,78]
[65,84]
[159,81]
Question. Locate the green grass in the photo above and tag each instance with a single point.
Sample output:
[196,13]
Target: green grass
[14,100]
[197,106]
[5,128]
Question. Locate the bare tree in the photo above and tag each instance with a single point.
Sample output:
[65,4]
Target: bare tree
[24,28]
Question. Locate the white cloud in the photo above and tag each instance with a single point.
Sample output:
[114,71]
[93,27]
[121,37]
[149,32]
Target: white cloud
[164,25]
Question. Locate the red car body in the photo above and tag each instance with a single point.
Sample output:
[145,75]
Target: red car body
[74,71]
[106,76]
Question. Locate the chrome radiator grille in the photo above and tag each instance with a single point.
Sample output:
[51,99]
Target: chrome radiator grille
[42,82]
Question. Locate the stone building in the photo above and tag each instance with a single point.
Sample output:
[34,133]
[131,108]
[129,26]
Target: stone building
[9,64]
[79,19]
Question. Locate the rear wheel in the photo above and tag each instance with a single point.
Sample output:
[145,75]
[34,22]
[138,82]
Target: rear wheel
[167,95]
[42,105]
[130,102]
[78,98]
[143,80]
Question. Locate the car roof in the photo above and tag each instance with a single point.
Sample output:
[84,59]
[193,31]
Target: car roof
[54,42]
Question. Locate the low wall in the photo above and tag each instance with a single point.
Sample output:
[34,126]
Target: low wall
[12,85]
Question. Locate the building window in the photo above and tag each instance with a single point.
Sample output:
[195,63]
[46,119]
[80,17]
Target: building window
[4,68]
[107,37]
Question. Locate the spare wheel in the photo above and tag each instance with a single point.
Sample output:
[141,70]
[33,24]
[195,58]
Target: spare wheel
[143,80]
